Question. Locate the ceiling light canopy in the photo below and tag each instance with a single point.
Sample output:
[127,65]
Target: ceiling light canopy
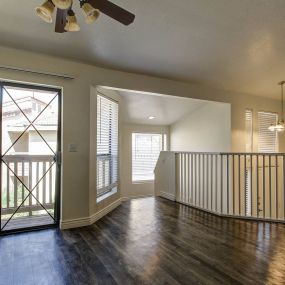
[62,4]
[65,17]
[280,126]
[151,117]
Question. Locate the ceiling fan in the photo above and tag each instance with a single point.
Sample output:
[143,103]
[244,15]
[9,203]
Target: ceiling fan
[65,17]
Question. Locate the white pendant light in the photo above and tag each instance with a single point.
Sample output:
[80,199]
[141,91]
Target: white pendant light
[45,11]
[91,14]
[71,25]
[62,4]
[280,126]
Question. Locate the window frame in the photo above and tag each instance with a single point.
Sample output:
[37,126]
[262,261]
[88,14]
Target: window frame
[249,145]
[112,188]
[165,143]
[257,131]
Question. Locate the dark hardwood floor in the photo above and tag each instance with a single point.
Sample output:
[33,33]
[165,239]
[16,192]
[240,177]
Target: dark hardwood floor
[148,241]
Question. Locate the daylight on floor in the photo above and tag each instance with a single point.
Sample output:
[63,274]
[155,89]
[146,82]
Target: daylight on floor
[142,142]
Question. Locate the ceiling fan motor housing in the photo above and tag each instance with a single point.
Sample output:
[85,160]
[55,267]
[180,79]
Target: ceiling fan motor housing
[62,4]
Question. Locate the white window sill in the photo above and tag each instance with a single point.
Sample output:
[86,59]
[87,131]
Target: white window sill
[107,195]
[142,181]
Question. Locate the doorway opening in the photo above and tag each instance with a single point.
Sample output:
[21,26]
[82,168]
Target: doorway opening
[30,156]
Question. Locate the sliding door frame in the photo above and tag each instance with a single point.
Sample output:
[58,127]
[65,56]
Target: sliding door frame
[58,157]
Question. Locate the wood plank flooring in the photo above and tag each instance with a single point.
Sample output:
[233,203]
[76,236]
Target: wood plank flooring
[148,241]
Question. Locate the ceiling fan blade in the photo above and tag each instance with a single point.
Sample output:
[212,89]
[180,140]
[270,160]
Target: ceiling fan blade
[60,21]
[112,10]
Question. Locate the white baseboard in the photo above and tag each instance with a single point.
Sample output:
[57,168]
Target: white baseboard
[167,195]
[136,197]
[87,221]
[97,216]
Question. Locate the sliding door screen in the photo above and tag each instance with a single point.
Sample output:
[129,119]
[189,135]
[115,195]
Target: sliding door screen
[145,152]
[107,145]
[30,156]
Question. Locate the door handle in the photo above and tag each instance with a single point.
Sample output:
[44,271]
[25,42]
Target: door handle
[57,158]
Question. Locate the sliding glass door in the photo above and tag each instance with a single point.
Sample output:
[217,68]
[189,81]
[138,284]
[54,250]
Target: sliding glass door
[30,156]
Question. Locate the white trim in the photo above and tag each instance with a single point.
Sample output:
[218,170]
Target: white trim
[142,181]
[75,223]
[167,195]
[13,68]
[87,221]
[107,194]
[136,197]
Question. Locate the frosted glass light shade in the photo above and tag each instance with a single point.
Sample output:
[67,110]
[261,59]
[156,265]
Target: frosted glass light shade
[72,25]
[45,11]
[91,14]
[279,127]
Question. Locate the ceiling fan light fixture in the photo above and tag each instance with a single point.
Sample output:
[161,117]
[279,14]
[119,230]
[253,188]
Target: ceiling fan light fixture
[91,9]
[91,14]
[71,24]
[45,11]
[62,4]
[279,127]
[272,128]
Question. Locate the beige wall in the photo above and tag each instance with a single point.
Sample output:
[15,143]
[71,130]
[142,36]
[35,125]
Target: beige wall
[77,199]
[128,188]
[206,129]
[239,105]
[165,175]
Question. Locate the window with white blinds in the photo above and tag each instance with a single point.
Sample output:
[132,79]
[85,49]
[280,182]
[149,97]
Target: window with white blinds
[248,148]
[107,145]
[267,140]
[145,152]
[248,130]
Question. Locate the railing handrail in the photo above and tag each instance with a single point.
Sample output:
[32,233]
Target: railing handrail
[227,153]
[27,158]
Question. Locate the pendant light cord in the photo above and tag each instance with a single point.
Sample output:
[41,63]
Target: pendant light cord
[282,102]
[282,99]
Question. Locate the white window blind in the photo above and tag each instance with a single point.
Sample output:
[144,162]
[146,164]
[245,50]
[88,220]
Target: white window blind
[267,140]
[145,152]
[248,131]
[107,145]
[248,148]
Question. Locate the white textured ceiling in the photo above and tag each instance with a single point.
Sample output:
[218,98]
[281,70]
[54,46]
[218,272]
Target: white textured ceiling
[138,107]
[236,45]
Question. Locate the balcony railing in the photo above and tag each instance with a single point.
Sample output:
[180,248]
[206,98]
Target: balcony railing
[244,185]
[31,170]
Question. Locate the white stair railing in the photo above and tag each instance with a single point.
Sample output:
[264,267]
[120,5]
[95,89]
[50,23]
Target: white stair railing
[244,185]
